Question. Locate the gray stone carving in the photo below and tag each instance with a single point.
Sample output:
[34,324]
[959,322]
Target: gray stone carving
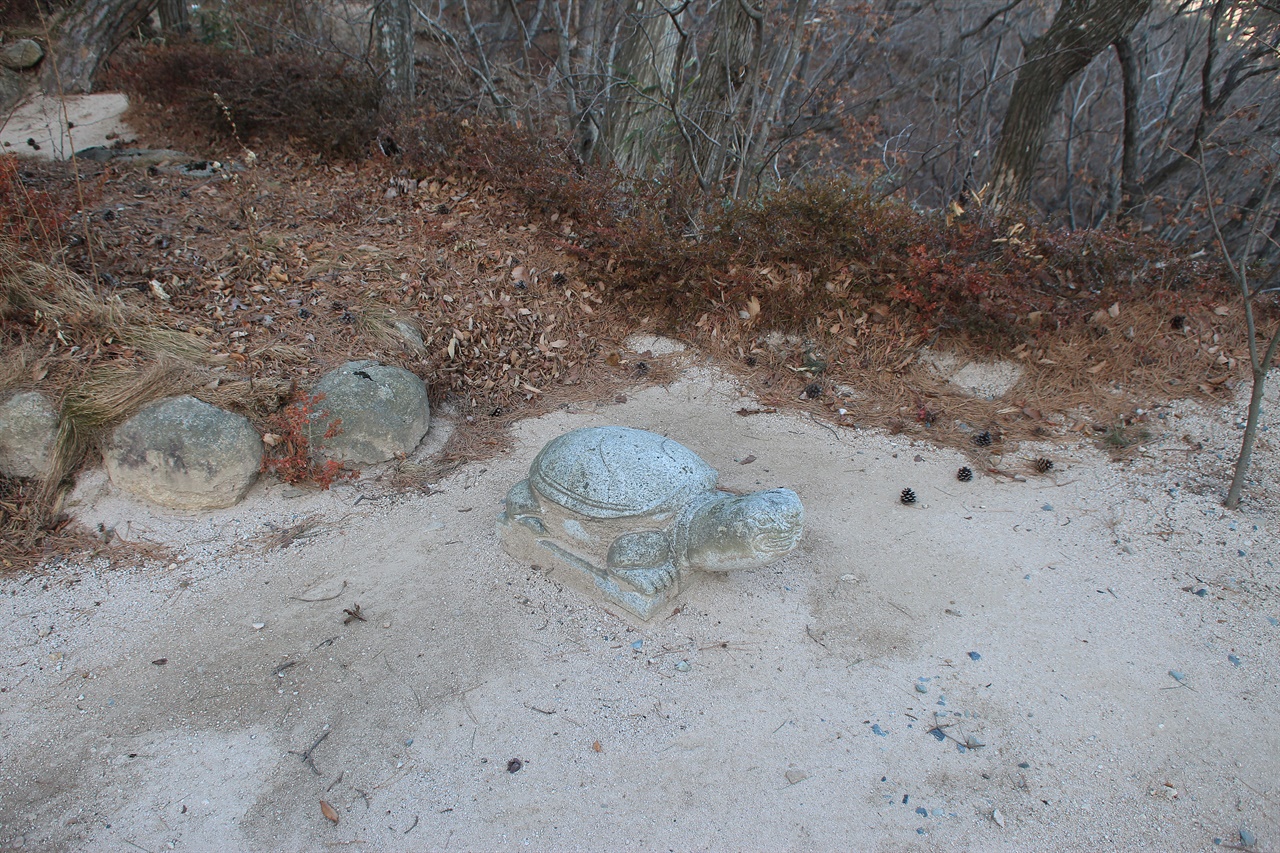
[28,433]
[185,454]
[383,412]
[21,54]
[632,512]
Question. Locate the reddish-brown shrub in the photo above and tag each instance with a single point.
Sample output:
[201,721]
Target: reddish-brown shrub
[330,105]
[829,247]
[27,216]
[289,456]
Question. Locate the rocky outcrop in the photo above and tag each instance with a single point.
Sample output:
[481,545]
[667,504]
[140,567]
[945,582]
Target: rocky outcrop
[28,434]
[12,88]
[185,454]
[383,411]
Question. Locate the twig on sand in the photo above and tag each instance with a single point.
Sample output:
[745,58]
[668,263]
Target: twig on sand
[306,755]
[328,598]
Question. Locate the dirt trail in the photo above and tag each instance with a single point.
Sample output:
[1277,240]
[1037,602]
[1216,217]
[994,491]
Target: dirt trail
[1104,639]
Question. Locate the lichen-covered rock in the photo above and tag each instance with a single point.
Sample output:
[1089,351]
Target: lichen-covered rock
[28,433]
[21,54]
[383,411]
[12,88]
[185,454]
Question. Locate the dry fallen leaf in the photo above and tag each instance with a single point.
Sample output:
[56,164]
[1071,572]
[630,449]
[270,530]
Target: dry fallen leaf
[329,812]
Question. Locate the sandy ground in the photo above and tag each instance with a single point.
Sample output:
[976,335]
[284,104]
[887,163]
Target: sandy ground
[1105,639]
[39,126]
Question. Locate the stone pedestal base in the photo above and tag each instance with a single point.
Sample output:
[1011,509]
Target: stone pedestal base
[520,539]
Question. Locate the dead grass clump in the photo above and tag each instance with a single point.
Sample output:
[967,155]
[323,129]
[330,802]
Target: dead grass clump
[331,106]
[39,292]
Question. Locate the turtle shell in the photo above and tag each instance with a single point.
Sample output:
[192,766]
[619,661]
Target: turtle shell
[616,472]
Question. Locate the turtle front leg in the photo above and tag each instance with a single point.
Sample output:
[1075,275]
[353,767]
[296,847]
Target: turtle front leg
[643,560]
[649,580]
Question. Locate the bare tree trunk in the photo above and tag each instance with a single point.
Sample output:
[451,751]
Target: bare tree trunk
[1131,72]
[87,34]
[1080,31]
[638,105]
[728,76]
[393,26]
[174,17]
[766,108]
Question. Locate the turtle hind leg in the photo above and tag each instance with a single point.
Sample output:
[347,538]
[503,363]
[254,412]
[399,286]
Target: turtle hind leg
[643,559]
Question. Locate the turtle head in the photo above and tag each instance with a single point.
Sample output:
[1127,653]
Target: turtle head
[744,531]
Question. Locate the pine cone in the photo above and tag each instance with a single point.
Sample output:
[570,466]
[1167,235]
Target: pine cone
[965,474]
[982,439]
[908,497]
[1044,465]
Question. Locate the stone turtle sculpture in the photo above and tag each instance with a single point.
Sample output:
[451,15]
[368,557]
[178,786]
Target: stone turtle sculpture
[633,511]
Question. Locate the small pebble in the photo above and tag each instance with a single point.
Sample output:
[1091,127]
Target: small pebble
[974,656]
[1024,765]
[637,644]
[408,741]
[1247,838]
[258,626]
[683,666]
[1235,660]
[922,811]
[1047,507]
[922,688]
[998,818]
[938,734]
[1239,552]
[1177,676]
[1274,621]
[1202,592]
[386,624]
[848,578]
[879,731]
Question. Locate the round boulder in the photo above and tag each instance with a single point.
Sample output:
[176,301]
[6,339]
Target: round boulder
[185,454]
[383,411]
[21,54]
[28,433]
